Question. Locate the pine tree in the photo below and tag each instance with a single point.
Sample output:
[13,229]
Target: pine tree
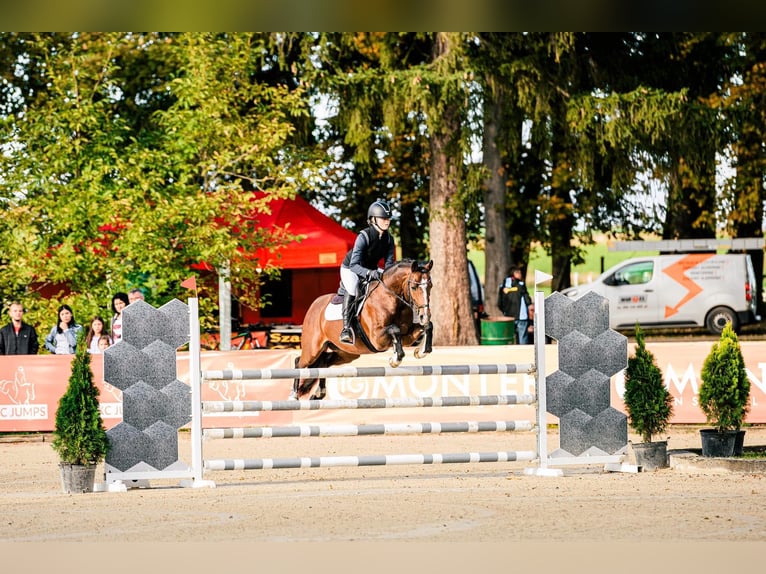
[80,437]
[724,394]
[647,400]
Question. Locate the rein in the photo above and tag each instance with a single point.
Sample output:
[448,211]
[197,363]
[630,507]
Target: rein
[411,304]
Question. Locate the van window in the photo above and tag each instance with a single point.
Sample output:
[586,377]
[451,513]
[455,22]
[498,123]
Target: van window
[633,274]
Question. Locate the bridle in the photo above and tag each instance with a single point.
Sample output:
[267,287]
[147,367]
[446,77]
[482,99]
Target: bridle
[413,285]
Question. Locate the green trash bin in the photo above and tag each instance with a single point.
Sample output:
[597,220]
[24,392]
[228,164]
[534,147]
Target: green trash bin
[498,331]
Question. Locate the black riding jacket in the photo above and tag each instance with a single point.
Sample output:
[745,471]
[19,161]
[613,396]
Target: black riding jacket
[369,248]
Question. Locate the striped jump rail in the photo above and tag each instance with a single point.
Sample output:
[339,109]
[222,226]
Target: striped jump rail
[308,405]
[339,372]
[369,460]
[368,429]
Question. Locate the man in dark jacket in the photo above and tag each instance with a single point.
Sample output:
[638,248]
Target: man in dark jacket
[516,303]
[18,337]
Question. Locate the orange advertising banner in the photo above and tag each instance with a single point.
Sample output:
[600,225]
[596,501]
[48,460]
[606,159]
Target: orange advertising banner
[681,365]
[30,386]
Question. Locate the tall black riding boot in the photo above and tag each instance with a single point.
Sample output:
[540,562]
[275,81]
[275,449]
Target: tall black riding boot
[346,335]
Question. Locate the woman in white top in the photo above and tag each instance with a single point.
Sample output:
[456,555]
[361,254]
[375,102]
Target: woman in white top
[62,339]
[97,328]
[119,302]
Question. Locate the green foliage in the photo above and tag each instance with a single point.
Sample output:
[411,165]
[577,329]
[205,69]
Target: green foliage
[126,157]
[79,436]
[135,157]
[724,394]
[647,400]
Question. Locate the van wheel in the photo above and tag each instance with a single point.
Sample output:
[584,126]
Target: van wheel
[718,317]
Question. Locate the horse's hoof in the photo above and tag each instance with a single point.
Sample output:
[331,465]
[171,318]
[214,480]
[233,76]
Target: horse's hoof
[394,362]
[420,354]
[293,397]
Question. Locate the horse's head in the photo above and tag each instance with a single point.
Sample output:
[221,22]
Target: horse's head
[410,283]
[418,290]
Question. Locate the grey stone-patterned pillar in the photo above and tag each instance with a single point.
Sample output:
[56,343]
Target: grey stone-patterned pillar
[155,404]
[579,392]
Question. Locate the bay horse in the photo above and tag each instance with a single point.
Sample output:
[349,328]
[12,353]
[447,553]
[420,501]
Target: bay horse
[395,311]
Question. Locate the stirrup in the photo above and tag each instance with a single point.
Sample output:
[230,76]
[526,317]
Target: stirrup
[346,335]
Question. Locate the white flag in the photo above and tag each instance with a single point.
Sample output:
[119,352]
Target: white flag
[542,277]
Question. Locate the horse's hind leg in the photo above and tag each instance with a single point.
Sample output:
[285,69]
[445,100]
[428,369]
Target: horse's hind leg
[326,360]
[296,383]
[320,392]
[302,386]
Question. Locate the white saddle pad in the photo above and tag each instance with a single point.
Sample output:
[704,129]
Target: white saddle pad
[333,312]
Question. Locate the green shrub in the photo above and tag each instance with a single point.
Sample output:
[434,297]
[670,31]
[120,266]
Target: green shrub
[79,436]
[647,400]
[724,394]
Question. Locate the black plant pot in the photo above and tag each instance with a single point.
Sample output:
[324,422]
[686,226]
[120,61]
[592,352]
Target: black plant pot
[717,444]
[739,443]
[77,478]
[651,455]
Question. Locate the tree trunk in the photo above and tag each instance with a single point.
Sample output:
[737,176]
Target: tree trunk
[496,248]
[746,220]
[410,233]
[691,199]
[560,216]
[451,308]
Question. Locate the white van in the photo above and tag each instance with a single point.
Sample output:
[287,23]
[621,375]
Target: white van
[680,290]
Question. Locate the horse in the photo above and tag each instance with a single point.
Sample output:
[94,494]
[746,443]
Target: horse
[395,311]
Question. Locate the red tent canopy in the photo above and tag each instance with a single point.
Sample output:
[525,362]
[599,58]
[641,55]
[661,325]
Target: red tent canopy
[311,263]
[324,244]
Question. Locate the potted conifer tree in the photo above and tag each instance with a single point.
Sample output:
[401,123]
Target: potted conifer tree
[649,405]
[79,436]
[724,394]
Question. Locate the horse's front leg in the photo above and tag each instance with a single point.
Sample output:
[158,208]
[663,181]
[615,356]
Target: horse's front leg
[425,347]
[394,332]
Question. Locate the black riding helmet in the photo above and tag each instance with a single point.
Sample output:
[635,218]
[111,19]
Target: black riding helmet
[379,208]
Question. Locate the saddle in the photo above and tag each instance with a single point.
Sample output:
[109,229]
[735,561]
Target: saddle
[364,287]
[333,312]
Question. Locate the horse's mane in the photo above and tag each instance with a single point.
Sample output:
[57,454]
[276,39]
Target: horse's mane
[403,263]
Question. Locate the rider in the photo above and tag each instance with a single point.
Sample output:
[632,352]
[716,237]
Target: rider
[372,244]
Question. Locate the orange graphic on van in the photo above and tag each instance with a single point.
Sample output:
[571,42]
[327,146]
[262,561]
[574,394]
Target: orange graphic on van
[677,272]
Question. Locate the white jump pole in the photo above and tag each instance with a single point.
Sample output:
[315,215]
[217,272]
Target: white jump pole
[195,374]
[542,405]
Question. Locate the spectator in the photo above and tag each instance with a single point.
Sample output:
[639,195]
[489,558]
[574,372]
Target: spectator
[18,337]
[119,302]
[135,295]
[104,342]
[95,331]
[62,340]
[515,302]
